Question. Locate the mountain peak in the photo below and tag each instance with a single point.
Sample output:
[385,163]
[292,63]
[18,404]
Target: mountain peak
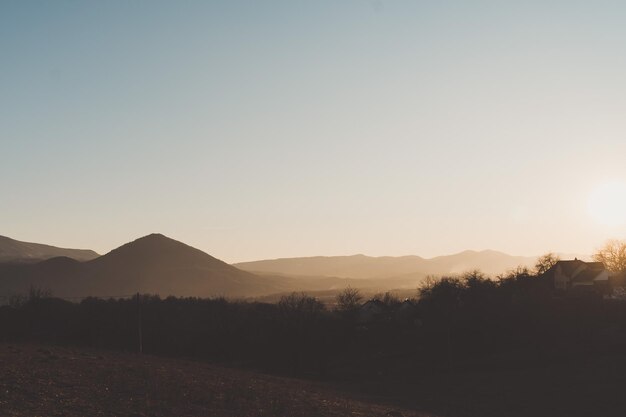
[155,243]
[155,236]
[152,237]
[158,251]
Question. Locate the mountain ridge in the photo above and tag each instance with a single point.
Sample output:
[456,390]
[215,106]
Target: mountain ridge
[361,266]
[12,250]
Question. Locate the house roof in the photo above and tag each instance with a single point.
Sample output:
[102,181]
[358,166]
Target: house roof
[579,271]
[587,275]
[569,267]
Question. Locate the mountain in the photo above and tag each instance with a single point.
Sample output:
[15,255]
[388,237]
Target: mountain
[152,264]
[12,250]
[355,266]
[157,264]
[384,267]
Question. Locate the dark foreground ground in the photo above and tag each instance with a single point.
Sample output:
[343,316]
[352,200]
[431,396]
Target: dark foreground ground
[42,380]
[46,380]
[584,387]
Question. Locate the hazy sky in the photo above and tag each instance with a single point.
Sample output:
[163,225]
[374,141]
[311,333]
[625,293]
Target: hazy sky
[272,129]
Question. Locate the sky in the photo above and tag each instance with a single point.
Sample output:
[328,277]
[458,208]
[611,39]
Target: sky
[255,130]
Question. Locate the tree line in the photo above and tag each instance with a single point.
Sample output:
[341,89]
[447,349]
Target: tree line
[452,323]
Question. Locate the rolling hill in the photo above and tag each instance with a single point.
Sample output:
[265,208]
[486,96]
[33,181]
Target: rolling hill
[12,250]
[152,264]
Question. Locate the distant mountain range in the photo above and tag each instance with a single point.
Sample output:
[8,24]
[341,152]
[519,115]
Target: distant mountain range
[12,250]
[366,267]
[156,264]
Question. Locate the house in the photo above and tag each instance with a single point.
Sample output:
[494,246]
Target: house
[577,275]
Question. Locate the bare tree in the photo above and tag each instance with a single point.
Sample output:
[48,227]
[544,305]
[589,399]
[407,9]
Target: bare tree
[387,299]
[427,284]
[545,262]
[300,304]
[349,299]
[612,255]
[473,276]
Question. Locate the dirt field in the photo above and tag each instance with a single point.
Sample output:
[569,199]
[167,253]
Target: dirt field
[57,381]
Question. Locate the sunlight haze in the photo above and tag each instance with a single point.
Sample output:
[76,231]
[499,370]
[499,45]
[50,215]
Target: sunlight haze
[255,130]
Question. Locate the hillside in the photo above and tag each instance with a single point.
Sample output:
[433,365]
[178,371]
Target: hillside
[55,381]
[367,267]
[12,250]
[153,264]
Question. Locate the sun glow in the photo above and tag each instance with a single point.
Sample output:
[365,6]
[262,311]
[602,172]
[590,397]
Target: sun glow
[607,204]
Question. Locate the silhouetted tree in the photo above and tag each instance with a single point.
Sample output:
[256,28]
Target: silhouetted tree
[349,300]
[300,313]
[427,283]
[612,255]
[387,299]
[545,262]
[300,304]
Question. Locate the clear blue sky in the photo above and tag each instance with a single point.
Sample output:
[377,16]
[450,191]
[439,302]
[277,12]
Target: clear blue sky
[271,129]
